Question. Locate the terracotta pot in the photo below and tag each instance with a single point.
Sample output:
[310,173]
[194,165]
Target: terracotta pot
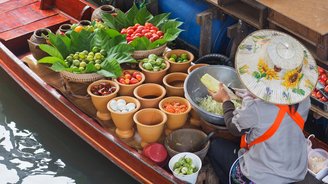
[100,102]
[104,9]
[37,39]
[127,89]
[175,120]
[63,28]
[150,124]
[195,66]
[124,120]
[149,95]
[179,67]
[173,83]
[195,118]
[154,77]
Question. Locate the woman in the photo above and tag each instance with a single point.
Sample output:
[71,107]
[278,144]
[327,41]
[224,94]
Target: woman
[274,108]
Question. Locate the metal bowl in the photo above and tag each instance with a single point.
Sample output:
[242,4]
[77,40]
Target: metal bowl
[195,90]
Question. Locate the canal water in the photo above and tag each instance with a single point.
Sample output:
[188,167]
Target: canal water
[35,147]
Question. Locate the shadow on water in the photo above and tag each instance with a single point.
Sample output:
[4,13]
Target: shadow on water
[33,142]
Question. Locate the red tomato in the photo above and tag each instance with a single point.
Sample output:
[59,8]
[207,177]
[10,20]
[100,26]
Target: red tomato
[313,94]
[127,81]
[126,72]
[324,99]
[322,81]
[130,31]
[138,77]
[155,36]
[138,35]
[148,24]
[136,26]
[153,31]
[129,39]
[321,70]
[121,80]
[134,74]
[159,33]
[133,81]
[154,28]
[145,31]
[127,76]
[148,35]
[123,31]
[318,94]
[326,89]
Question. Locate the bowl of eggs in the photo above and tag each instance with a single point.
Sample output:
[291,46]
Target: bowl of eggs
[122,110]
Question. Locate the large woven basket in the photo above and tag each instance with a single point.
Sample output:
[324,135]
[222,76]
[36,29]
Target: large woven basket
[140,54]
[77,84]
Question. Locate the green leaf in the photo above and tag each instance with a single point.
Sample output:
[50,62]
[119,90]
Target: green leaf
[171,34]
[170,24]
[90,68]
[52,51]
[131,14]
[157,43]
[159,19]
[52,60]
[143,16]
[113,33]
[81,41]
[110,68]
[59,44]
[110,22]
[121,19]
[121,53]
[140,43]
[59,67]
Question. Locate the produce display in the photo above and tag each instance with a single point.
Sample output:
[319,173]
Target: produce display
[81,59]
[121,106]
[184,166]
[101,51]
[179,59]
[316,163]
[91,28]
[130,78]
[175,107]
[210,105]
[143,30]
[102,89]
[148,30]
[153,63]
[323,79]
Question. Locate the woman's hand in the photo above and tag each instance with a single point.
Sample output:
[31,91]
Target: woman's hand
[221,95]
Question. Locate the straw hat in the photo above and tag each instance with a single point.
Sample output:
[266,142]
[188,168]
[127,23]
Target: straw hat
[275,67]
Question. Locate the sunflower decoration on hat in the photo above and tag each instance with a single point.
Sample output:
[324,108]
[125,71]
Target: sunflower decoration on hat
[276,67]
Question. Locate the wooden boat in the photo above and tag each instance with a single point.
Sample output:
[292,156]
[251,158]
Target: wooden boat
[29,15]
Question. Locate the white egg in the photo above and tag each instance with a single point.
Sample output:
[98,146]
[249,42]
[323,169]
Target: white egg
[121,101]
[120,106]
[124,110]
[113,105]
[130,107]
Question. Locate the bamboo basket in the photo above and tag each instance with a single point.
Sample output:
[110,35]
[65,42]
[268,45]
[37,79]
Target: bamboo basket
[77,84]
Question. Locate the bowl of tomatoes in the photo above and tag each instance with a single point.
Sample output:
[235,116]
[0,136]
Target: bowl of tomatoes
[129,80]
[149,31]
[319,97]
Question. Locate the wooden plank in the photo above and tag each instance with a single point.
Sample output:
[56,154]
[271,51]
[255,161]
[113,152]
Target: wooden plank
[309,13]
[31,13]
[73,11]
[29,28]
[6,6]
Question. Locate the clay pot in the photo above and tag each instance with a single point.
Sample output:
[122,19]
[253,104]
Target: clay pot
[175,120]
[100,102]
[85,23]
[195,66]
[127,89]
[154,77]
[104,9]
[149,95]
[124,120]
[173,83]
[36,39]
[63,28]
[195,118]
[150,124]
[179,67]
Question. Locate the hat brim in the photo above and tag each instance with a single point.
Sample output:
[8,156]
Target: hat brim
[262,81]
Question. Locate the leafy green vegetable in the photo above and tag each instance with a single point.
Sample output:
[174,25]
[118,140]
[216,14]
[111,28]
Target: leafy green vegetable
[170,27]
[110,41]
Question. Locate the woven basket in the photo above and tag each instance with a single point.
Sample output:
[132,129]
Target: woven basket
[77,84]
[140,54]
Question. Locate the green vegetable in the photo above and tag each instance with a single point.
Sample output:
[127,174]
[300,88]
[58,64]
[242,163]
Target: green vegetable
[152,57]
[174,56]
[210,105]
[184,56]
[184,166]
[179,59]
[153,63]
